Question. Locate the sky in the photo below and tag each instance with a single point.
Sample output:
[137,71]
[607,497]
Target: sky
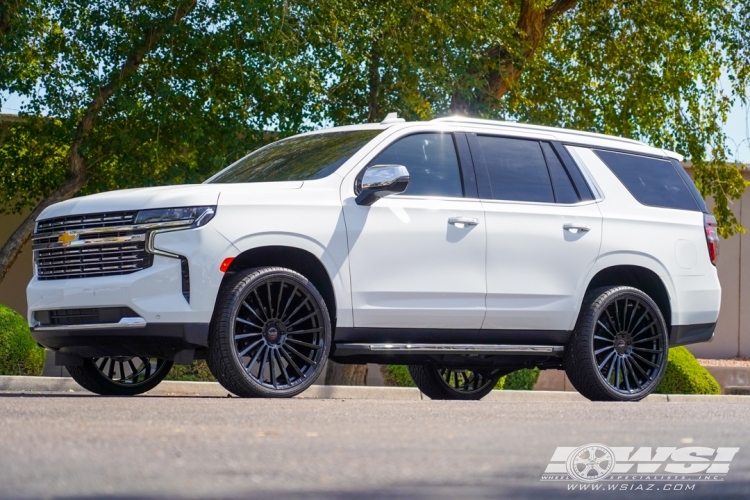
[737,127]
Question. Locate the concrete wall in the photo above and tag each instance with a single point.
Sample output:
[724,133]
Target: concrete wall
[732,337]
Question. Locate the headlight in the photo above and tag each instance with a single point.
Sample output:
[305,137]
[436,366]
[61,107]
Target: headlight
[183,216]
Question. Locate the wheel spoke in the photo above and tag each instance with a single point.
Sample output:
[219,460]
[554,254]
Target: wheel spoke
[111,373]
[632,315]
[271,362]
[296,352]
[294,291]
[635,325]
[304,344]
[654,351]
[645,328]
[291,315]
[302,332]
[248,323]
[617,373]
[617,316]
[244,303]
[246,335]
[248,348]
[270,302]
[611,367]
[278,300]
[646,340]
[263,363]
[605,360]
[636,355]
[597,337]
[260,304]
[625,374]
[599,322]
[103,363]
[133,370]
[604,349]
[122,370]
[303,319]
[249,366]
[291,362]
[282,369]
[638,366]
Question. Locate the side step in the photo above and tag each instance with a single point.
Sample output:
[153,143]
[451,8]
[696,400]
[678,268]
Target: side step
[355,349]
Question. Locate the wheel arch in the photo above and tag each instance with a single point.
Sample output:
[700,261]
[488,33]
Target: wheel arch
[638,277]
[294,258]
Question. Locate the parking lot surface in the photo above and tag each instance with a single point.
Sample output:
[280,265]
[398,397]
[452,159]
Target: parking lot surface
[80,446]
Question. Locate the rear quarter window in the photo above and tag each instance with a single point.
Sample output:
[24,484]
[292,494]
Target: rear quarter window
[651,181]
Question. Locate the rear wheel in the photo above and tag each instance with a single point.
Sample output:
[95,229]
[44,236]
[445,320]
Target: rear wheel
[618,351]
[120,375]
[439,382]
[271,334]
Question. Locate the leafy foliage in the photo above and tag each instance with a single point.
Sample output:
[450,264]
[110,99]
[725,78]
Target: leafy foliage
[521,380]
[396,376]
[684,375]
[19,354]
[196,372]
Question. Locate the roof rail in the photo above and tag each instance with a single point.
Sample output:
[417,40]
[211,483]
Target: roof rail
[524,126]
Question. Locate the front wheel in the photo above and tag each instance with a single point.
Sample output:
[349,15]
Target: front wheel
[271,334]
[618,350]
[120,375]
[437,382]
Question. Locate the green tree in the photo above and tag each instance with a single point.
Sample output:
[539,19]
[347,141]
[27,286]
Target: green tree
[125,94]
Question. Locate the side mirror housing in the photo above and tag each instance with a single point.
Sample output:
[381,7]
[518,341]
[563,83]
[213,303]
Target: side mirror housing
[380,181]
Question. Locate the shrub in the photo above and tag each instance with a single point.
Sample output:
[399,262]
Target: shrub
[396,376]
[197,372]
[521,380]
[684,375]
[19,353]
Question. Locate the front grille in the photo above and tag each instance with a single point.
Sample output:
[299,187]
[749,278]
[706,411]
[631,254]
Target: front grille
[85,246]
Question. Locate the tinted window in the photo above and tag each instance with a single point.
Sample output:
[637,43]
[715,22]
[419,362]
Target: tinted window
[691,185]
[297,158]
[517,169]
[431,161]
[564,190]
[651,181]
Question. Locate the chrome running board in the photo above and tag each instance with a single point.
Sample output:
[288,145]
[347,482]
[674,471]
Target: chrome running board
[502,349]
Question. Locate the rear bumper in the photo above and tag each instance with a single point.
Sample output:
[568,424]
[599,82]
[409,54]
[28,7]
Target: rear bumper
[160,340]
[691,334]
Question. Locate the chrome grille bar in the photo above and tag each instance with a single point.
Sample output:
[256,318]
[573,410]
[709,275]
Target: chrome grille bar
[90,245]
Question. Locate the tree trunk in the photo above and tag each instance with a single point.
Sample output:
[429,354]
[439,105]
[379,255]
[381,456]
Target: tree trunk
[373,82]
[532,24]
[338,374]
[77,167]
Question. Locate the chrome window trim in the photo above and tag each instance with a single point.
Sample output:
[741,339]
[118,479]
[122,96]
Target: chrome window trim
[595,189]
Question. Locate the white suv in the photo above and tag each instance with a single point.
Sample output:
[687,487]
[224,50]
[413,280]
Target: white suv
[465,249]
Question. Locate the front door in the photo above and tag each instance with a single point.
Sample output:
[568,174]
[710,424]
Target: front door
[413,263]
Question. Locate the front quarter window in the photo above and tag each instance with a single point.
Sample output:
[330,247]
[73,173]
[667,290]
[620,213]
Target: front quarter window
[298,158]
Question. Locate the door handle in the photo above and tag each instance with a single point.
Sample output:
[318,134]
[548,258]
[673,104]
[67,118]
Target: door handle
[467,221]
[580,227]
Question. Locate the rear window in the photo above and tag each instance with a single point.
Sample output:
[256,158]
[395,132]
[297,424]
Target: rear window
[651,181]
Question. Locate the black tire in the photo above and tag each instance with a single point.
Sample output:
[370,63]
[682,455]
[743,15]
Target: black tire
[270,335]
[618,350]
[460,384]
[120,376]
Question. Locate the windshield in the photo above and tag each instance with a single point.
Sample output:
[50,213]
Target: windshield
[297,158]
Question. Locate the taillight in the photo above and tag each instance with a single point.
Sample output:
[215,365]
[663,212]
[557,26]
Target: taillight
[712,237]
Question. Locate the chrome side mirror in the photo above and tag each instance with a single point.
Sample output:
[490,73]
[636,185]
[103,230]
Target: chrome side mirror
[379,181]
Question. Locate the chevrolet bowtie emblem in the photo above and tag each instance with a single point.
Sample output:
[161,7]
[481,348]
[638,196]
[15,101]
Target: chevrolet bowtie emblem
[67,238]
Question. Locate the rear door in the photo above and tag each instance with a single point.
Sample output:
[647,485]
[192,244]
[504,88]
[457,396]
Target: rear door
[544,231]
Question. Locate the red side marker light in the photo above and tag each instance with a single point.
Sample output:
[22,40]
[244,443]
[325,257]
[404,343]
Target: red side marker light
[225,264]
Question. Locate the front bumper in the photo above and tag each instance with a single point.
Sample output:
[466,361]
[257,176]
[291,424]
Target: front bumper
[159,340]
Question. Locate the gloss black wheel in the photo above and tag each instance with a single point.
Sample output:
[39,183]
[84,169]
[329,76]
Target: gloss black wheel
[271,336]
[120,375]
[439,382]
[619,349]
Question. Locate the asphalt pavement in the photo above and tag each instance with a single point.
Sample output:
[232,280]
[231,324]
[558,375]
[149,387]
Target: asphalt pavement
[82,446]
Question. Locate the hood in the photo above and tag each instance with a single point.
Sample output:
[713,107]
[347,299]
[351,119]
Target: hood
[187,195]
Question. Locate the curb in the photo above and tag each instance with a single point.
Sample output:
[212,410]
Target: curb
[24,385]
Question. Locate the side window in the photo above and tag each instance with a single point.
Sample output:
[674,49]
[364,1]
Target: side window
[651,181]
[565,192]
[517,169]
[432,163]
